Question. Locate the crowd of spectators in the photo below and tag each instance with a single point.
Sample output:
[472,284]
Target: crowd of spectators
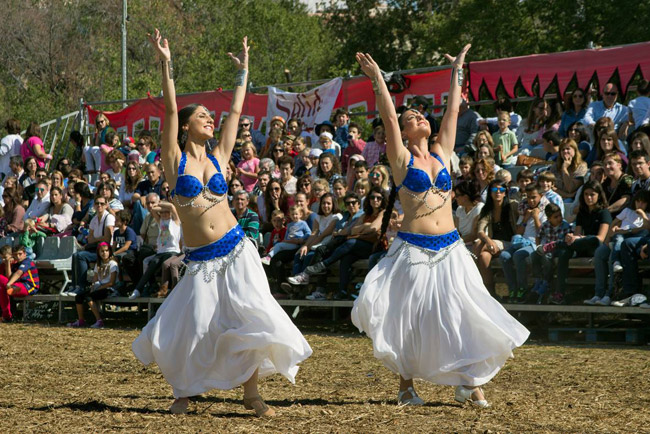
[568,179]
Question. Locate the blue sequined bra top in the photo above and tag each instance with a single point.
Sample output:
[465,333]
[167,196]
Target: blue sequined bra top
[418,181]
[190,186]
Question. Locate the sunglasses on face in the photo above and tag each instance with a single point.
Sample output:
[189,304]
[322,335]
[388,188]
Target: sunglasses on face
[498,190]
[376,198]
[100,203]
[278,150]
[351,202]
[375,175]
[40,190]
[611,93]
[577,95]
[276,189]
[244,125]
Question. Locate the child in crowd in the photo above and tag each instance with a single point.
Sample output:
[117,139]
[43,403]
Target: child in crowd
[360,171]
[552,231]
[504,176]
[465,164]
[7,259]
[248,167]
[23,281]
[29,237]
[515,257]
[505,142]
[303,163]
[106,271]
[524,178]
[630,222]
[297,231]
[546,181]
[167,245]
[361,188]
[279,230]
[125,243]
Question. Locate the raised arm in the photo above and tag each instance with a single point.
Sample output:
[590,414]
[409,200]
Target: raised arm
[231,124]
[447,135]
[169,151]
[395,149]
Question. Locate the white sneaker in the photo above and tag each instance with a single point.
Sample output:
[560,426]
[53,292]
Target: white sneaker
[266,260]
[299,279]
[645,305]
[316,295]
[605,301]
[592,301]
[135,294]
[617,267]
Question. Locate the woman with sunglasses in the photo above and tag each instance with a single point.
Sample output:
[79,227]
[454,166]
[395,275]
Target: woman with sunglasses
[424,304]
[220,327]
[575,107]
[132,177]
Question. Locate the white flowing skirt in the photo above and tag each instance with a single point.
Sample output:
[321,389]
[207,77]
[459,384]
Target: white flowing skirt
[220,324]
[430,316]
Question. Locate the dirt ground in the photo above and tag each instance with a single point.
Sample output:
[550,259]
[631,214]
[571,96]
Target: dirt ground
[62,380]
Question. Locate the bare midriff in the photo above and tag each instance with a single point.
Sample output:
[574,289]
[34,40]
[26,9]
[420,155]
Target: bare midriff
[201,226]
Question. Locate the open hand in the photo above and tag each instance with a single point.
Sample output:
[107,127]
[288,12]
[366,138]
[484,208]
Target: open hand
[457,62]
[161,46]
[241,60]
[368,66]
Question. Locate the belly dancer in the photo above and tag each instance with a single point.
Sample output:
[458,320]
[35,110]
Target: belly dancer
[220,327]
[424,305]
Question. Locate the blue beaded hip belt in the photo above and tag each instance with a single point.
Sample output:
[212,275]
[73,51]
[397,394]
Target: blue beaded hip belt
[430,242]
[222,247]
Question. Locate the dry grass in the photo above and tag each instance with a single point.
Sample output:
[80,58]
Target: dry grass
[60,380]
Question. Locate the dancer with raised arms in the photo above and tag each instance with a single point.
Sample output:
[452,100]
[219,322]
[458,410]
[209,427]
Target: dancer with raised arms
[424,304]
[220,327]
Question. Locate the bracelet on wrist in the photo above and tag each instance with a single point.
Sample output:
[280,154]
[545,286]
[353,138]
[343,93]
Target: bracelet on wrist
[167,65]
[240,77]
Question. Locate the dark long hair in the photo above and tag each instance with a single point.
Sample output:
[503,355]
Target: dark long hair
[184,118]
[367,208]
[598,189]
[282,203]
[489,202]
[335,206]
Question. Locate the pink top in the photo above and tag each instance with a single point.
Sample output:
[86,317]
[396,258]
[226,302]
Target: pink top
[249,166]
[104,166]
[27,150]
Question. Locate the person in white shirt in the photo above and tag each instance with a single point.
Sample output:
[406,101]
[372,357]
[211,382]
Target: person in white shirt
[41,204]
[10,145]
[468,197]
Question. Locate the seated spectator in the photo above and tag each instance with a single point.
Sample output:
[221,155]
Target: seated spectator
[103,286]
[152,184]
[465,164]
[247,219]
[302,200]
[145,146]
[339,189]
[546,181]
[505,176]
[100,230]
[132,178]
[12,220]
[303,163]
[466,215]
[171,274]
[592,225]
[296,233]
[22,282]
[618,184]
[58,216]
[298,145]
[505,142]
[107,191]
[329,168]
[361,188]
[633,250]
[167,245]
[112,142]
[269,165]
[286,175]
[59,181]
[551,145]
[83,200]
[30,237]
[29,193]
[276,152]
[607,107]
[16,170]
[485,151]
[125,243]
[515,257]
[234,185]
[275,198]
[602,126]
[377,147]
[149,231]
[41,204]
[630,222]
[483,172]
[608,142]
[640,142]
[569,170]
[639,109]
[29,175]
[116,161]
[380,177]
[579,134]
[323,127]
[552,231]
[575,104]
[355,146]
[541,118]
[350,176]
[249,166]
[639,163]
[496,227]
[278,232]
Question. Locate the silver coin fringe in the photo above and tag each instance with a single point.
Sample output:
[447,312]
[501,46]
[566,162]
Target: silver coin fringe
[216,266]
[433,258]
[206,194]
[423,200]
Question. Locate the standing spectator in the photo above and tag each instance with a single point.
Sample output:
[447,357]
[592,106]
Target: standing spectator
[575,104]
[23,282]
[295,127]
[377,147]
[10,145]
[33,145]
[592,225]
[569,170]
[249,166]
[245,124]
[247,219]
[639,109]
[167,245]
[100,230]
[506,145]
[103,286]
[16,166]
[355,144]
[607,107]
[341,122]
[466,127]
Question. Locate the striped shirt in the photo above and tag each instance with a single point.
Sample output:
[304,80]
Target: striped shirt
[249,222]
[29,278]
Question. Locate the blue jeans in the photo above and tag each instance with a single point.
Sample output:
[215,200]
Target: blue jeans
[514,260]
[80,262]
[137,216]
[542,266]
[604,259]
[630,262]
[348,253]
